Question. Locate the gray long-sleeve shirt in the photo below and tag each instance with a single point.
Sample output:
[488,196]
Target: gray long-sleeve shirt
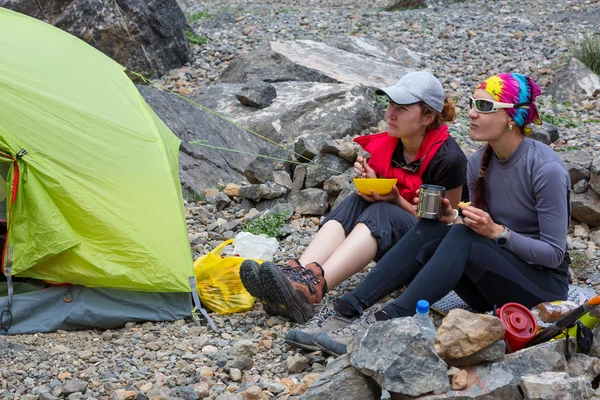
[529,192]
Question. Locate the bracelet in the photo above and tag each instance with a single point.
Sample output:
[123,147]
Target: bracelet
[455,217]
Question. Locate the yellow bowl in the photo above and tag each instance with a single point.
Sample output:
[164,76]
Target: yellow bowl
[380,186]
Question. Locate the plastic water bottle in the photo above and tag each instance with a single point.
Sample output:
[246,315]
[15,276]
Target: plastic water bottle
[422,319]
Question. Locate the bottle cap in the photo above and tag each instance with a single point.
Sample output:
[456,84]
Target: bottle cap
[423,306]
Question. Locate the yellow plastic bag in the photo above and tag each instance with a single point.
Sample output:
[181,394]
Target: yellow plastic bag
[219,284]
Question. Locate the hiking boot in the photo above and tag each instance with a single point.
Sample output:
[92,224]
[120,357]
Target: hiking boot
[325,320]
[336,342]
[250,277]
[294,289]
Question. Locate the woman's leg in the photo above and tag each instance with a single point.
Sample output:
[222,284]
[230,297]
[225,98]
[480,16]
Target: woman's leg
[498,275]
[378,229]
[396,269]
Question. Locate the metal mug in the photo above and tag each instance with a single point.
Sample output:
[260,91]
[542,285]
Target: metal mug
[430,201]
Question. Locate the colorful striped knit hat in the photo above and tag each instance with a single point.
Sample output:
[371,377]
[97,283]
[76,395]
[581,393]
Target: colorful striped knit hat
[515,88]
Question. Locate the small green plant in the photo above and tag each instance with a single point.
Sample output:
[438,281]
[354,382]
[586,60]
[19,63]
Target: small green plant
[563,149]
[195,39]
[269,225]
[588,52]
[579,262]
[195,197]
[558,120]
[193,17]
[381,101]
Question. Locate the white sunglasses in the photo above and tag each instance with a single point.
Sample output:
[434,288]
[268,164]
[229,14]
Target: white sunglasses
[486,106]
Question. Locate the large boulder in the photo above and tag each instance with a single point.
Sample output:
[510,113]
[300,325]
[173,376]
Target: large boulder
[400,358]
[574,82]
[204,167]
[300,108]
[555,385]
[307,60]
[373,47]
[146,36]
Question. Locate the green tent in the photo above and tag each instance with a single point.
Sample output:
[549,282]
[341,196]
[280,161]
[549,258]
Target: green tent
[90,179]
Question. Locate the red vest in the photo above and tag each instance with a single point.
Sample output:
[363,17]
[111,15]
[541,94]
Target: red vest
[381,146]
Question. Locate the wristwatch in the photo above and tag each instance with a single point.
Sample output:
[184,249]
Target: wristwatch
[502,239]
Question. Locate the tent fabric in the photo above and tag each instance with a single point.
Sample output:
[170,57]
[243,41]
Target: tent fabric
[98,199]
[78,307]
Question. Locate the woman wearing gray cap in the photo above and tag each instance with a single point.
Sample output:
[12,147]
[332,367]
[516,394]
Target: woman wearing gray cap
[415,149]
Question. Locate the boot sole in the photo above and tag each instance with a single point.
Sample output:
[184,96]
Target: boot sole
[299,345]
[250,277]
[330,346]
[282,294]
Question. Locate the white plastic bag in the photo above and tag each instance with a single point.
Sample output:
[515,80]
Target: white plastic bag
[249,245]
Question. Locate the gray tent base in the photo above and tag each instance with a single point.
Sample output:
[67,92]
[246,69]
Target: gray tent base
[80,307]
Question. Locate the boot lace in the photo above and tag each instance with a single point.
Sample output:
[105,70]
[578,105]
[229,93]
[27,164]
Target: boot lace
[302,275]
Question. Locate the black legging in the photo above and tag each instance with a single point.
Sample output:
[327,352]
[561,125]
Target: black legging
[434,259]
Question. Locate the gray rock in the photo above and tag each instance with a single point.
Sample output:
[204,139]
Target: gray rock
[301,108]
[334,185]
[186,393]
[545,133]
[574,82]
[595,175]
[282,178]
[74,386]
[585,207]
[221,201]
[310,202]
[373,47]
[595,352]
[257,93]
[298,181]
[581,186]
[341,381]
[244,348]
[326,166]
[555,385]
[296,363]
[307,60]
[582,365]
[203,167]
[261,169]
[267,191]
[404,4]
[500,380]
[410,366]
[492,353]
[306,149]
[579,164]
[145,36]
[346,191]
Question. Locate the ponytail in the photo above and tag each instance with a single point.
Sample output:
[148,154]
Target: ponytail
[448,113]
[479,195]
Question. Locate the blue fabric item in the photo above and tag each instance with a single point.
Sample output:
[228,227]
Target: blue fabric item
[79,307]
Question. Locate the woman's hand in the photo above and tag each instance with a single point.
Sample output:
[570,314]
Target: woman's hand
[393,197]
[481,222]
[447,213]
[362,169]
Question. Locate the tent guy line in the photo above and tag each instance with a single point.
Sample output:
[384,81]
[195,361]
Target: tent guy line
[198,142]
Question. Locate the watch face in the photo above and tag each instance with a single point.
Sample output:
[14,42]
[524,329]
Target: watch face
[501,241]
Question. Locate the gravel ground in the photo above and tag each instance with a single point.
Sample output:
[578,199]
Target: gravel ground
[462,43]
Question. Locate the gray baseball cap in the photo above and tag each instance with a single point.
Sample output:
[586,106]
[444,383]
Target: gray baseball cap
[415,87]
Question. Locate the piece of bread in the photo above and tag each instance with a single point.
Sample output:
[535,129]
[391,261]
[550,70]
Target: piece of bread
[462,204]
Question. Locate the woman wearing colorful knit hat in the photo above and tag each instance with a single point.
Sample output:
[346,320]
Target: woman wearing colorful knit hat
[510,245]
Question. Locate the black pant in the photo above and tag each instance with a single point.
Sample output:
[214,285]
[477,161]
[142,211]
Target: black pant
[434,259]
